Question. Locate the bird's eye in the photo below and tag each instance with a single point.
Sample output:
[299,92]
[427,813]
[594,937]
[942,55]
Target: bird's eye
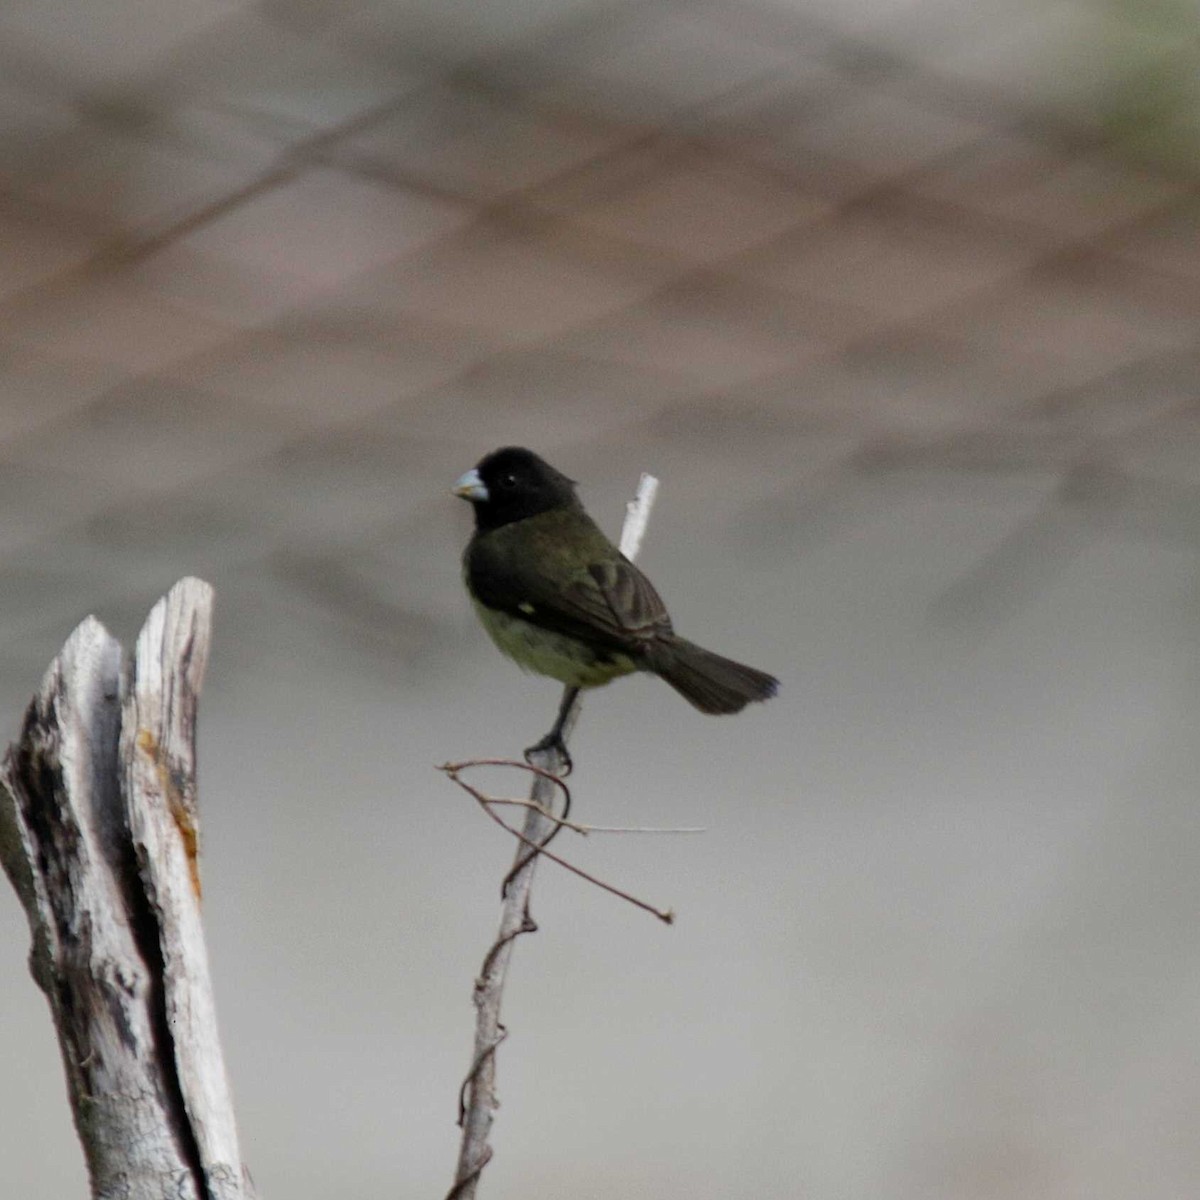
[508,481]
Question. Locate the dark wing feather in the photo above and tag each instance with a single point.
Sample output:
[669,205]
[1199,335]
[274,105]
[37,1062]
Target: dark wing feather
[634,608]
[605,601]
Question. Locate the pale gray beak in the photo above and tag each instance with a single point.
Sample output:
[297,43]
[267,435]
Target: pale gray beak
[471,487]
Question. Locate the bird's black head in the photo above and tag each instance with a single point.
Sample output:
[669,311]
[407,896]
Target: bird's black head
[511,484]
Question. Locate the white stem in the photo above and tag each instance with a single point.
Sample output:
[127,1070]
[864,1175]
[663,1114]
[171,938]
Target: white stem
[480,1103]
[637,516]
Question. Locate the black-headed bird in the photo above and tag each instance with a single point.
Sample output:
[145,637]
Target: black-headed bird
[560,599]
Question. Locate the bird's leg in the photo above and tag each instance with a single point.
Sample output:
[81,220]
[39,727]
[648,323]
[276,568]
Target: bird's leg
[554,739]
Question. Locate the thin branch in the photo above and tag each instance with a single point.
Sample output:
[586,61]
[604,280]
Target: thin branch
[577,826]
[453,769]
[586,829]
[538,829]
[637,516]
[486,802]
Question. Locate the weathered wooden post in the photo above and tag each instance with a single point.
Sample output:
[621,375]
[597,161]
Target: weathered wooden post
[98,834]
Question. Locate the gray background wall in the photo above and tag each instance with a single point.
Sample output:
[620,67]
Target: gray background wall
[900,302]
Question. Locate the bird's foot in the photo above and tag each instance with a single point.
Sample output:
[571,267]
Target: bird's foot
[552,741]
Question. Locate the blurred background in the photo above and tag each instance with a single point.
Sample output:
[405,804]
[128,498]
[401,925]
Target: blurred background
[900,300]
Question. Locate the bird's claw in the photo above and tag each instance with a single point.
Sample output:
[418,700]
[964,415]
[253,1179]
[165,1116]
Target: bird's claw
[552,741]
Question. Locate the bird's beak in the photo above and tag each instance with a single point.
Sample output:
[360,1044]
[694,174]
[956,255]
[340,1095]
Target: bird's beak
[471,487]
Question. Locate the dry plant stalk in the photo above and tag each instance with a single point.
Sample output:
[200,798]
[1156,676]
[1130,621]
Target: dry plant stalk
[487,803]
[479,1101]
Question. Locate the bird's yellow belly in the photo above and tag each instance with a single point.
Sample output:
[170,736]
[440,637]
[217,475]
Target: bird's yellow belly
[547,653]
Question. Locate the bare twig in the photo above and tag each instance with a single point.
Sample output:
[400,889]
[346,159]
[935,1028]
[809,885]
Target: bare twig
[574,826]
[486,802]
[481,1103]
[637,516]
[453,769]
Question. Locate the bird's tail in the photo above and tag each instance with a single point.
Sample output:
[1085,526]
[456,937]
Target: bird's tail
[709,682]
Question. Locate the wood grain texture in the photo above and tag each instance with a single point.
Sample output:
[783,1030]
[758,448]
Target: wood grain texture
[98,833]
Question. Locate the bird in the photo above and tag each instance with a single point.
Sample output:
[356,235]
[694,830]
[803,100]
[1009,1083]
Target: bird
[559,598]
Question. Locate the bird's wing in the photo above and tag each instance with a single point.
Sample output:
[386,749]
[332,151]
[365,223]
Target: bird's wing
[608,601]
[632,607]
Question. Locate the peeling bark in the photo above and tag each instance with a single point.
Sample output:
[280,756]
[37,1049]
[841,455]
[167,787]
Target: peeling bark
[98,834]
